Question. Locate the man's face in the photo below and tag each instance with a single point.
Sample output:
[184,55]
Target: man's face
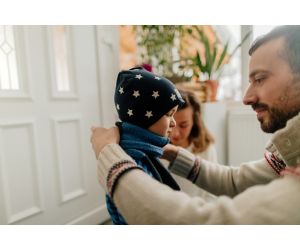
[273,91]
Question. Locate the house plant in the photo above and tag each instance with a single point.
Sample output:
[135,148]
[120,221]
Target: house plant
[159,46]
[208,62]
[155,46]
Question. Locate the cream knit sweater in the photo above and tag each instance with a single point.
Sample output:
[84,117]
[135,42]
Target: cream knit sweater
[252,193]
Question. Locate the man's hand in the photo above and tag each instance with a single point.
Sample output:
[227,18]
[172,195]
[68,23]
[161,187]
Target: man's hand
[170,152]
[100,137]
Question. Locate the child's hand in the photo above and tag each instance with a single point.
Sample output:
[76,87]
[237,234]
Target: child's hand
[102,136]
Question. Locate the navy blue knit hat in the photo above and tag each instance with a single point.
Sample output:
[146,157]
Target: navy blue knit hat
[142,98]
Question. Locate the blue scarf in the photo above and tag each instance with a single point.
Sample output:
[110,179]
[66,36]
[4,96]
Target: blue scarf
[142,145]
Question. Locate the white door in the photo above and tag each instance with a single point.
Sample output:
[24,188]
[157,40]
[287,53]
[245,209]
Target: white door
[50,95]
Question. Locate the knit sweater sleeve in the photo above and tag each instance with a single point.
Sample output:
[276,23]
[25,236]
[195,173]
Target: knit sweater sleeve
[223,180]
[110,155]
[155,203]
[218,179]
[143,200]
[285,143]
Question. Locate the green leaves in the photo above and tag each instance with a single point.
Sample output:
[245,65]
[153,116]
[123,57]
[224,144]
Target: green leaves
[210,63]
[223,54]
[155,43]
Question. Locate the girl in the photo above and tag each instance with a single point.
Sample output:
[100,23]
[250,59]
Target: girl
[191,132]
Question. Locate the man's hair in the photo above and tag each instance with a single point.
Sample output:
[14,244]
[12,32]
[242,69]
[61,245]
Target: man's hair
[291,34]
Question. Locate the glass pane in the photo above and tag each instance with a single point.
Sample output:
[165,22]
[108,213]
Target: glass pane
[230,79]
[59,37]
[9,79]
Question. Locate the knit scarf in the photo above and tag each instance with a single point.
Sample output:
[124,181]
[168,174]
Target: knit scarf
[145,148]
[138,142]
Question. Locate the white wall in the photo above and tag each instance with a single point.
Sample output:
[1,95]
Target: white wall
[215,118]
[237,132]
[246,140]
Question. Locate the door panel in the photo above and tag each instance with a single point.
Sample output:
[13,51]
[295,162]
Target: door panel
[47,167]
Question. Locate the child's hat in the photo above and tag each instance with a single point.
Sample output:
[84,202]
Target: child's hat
[142,98]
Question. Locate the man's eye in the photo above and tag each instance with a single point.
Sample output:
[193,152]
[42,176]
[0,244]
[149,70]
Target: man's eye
[259,80]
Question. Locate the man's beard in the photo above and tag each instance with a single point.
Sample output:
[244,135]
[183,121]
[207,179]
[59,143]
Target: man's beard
[277,118]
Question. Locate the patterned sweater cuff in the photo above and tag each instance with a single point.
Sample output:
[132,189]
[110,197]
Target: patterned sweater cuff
[287,142]
[183,163]
[111,155]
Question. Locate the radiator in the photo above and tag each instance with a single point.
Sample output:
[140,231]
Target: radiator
[246,141]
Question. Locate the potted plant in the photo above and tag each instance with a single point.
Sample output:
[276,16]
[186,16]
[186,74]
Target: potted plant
[208,65]
[158,48]
[155,46]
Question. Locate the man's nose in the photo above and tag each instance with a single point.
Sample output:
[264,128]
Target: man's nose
[250,96]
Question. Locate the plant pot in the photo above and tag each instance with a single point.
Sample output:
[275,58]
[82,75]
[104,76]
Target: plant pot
[212,86]
[200,89]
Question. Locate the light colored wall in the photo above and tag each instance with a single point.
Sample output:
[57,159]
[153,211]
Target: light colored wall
[214,115]
[237,132]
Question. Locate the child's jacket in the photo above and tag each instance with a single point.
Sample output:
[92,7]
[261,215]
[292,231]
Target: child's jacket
[145,148]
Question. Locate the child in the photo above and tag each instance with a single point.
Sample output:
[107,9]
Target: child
[146,105]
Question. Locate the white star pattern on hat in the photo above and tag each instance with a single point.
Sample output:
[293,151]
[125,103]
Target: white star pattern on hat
[156,78]
[121,90]
[136,93]
[148,114]
[139,76]
[178,94]
[173,97]
[118,107]
[155,94]
[130,113]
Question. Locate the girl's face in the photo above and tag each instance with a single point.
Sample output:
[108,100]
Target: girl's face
[165,124]
[184,121]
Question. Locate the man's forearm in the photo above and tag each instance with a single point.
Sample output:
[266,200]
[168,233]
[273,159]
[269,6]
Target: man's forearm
[143,200]
[112,161]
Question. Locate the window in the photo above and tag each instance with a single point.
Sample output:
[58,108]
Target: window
[230,80]
[61,55]
[9,79]
[61,58]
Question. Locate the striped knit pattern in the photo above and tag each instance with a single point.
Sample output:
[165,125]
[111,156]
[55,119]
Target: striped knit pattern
[195,170]
[183,163]
[275,163]
[115,173]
